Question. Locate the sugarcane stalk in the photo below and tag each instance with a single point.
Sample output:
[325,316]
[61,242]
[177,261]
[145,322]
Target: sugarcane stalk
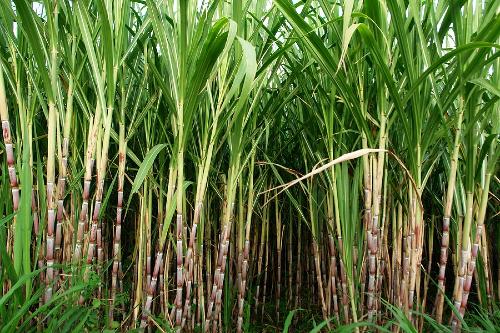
[399,256]
[246,248]
[101,173]
[447,214]
[372,240]
[240,243]
[139,268]
[298,278]
[51,154]
[378,173]
[189,261]
[266,266]
[182,93]
[428,270]
[9,147]
[332,281]
[100,255]
[151,287]
[290,265]
[307,254]
[216,298]
[319,279]
[406,266]
[367,211]
[261,252]
[479,229]
[63,166]
[89,165]
[91,240]
[412,256]
[163,294]
[210,258]
[326,269]
[417,241]
[122,159]
[147,281]
[465,255]
[38,236]
[279,233]
[200,313]
[383,252]
[200,197]
[333,277]
[487,271]
[315,233]
[179,252]
[345,284]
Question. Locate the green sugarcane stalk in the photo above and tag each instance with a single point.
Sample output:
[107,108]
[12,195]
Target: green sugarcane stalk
[151,288]
[11,167]
[447,214]
[228,218]
[265,217]
[298,278]
[315,249]
[94,123]
[122,159]
[63,166]
[266,269]
[246,247]
[483,202]
[140,245]
[200,197]
[9,147]
[332,281]
[51,154]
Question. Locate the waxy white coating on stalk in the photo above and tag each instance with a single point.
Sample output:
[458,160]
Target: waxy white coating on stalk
[261,251]
[467,282]
[188,260]
[118,222]
[447,214]
[9,151]
[216,295]
[319,279]
[94,124]
[179,283]
[332,281]
[51,149]
[89,165]
[102,158]
[61,184]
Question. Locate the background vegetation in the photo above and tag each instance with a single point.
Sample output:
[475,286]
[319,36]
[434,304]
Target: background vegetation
[249,165]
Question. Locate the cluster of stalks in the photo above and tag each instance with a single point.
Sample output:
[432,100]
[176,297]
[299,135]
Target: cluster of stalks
[210,165]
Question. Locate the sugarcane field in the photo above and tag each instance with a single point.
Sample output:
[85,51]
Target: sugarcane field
[250,166]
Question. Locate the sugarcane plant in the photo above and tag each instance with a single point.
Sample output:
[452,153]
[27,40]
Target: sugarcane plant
[197,166]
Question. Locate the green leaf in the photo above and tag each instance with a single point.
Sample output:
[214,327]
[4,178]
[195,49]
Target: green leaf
[170,214]
[288,320]
[40,54]
[84,23]
[486,84]
[19,313]
[22,280]
[25,219]
[319,327]
[6,219]
[326,60]
[145,166]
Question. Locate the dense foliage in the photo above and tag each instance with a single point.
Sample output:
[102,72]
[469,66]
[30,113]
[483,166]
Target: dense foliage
[249,165]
